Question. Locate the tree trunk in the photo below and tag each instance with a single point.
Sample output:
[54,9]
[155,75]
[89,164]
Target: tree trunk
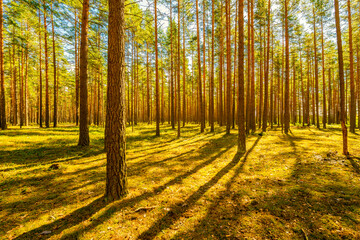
[252,102]
[54,62]
[172,72]
[202,123]
[287,73]
[248,94]
[220,90]
[358,83]
[204,65]
[316,74]
[178,75]
[341,79]
[267,57]
[84,130]
[115,130]
[40,71]
[212,73]
[2,82]
[330,114]
[352,83]
[47,98]
[157,100]
[324,117]
[228,68]
[184,70]
[241,94]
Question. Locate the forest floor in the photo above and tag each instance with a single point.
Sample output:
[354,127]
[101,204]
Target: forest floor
[195,187]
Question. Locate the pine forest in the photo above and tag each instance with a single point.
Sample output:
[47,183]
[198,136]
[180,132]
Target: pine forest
[180,119]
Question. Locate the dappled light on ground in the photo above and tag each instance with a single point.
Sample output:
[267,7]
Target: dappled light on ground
[283,187]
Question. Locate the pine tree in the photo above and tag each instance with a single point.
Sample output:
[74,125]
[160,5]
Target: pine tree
[84,139]
[115,131]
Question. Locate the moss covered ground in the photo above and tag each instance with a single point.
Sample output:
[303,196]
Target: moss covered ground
[295,186]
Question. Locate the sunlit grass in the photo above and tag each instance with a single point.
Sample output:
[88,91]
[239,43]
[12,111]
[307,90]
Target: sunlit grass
[195,187]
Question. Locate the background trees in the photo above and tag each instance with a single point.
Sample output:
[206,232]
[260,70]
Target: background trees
[181,68]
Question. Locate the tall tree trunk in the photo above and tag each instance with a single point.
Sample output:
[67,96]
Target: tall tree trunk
[172,72]
[26,89]
[84,139]
[157,100]
[54,62]
[248,94]
[228,68]
[76,73]
[341,79]
[316,74]
[352,83]
[184,69]
[204,64]
[267,57]
[115,130]
[253,103]
[241,93]
[330,119]
[202,122]
[178,72]
[220,90]
[324,117]
[147,84]
[2,82]
[287,73]
[40,72]
[358,83]
[47,98]
[233,101]
[294,93]
[212,73]
[21,83]
[262,53]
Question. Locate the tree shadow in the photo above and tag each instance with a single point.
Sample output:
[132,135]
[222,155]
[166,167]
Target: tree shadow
[354,163]
[209,153]
[61,151]
[303,206]
[177,210]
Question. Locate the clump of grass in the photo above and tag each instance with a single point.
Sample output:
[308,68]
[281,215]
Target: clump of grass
[194,187]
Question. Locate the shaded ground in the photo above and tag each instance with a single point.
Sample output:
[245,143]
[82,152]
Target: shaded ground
[195,187]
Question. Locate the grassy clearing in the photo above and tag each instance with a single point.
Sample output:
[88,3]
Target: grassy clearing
[195,187]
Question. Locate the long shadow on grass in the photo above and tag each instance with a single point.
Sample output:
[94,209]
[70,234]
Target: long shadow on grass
[353,161]
[49,153]
[209,151]
[208,228]
[313,203]
[177,210]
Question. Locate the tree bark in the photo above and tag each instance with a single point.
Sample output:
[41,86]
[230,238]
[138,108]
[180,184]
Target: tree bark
[241,93]
[212,73]
[55,70]
[287,73]
[40,71]
[157,95]
[267,57]
[324,117]
[84,130]
[47,97]
[228,68]
[202,122]
[316,73]
[352,83]
[2,82]
[341,79]
[115,130]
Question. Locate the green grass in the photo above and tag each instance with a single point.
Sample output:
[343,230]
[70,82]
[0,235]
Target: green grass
[197,186]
